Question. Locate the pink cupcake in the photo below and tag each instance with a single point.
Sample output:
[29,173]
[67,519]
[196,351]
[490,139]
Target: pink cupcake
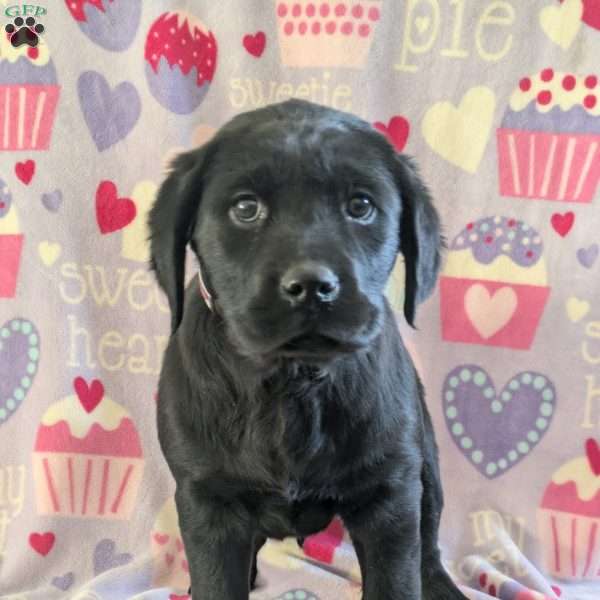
[11,243]
[330,33]
[569,518]
[87,460]
[109,23]
[549,140]
[28,96]
[181,57]
[494,285]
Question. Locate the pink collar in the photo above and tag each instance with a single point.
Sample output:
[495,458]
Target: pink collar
[203,291]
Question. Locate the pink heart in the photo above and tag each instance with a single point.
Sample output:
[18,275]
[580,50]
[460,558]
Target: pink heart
[592,449]
[255,44]
[89,395]
[396,131]
[177,597]
[113,213]
[161,538]
[169,558]
[42,543]
[179,545]
[185,566]
[562,223]
[25,171]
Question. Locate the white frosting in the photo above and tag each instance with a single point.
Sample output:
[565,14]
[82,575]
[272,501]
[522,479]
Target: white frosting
[11,54]
[462,263]
[579,472]
[566,99]
[9,223]
[107,414]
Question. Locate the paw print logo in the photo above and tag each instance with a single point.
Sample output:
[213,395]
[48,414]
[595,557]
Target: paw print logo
[24,32]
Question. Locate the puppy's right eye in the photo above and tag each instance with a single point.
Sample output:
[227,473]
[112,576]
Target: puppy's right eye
[247,209]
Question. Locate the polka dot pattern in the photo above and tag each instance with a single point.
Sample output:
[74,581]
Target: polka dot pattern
[489,239]
[495,438]
[330,18]
[19,348]
[549,88]
[184,44]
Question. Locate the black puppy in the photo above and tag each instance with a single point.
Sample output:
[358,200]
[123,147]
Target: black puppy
[286,395]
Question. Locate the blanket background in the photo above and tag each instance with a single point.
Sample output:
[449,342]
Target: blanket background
[499,103]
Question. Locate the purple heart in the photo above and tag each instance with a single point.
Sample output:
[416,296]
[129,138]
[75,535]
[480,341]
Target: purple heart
[110,114]
[106,558]
[65,582]
[495,432]
[19,358]
[587,256]
[52,200]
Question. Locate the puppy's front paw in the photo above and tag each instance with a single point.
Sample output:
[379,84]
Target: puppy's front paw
[437,585]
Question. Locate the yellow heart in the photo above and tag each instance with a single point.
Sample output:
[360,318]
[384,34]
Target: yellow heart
[562,23]
[49,252]
[577,309]
[460,135]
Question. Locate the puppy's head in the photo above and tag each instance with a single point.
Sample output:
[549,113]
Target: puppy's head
[296,213]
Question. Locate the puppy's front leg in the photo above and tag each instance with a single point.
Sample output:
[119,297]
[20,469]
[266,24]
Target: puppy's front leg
[218,546]
[388,536]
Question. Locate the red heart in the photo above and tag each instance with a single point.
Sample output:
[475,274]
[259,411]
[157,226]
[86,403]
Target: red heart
[161,538]
[562,223]
[321,546]
[592,449]
[89,396]
[255,44]
[42,543]
[176,597]
[113,213]
[591,13]
[25,170]
[396,131]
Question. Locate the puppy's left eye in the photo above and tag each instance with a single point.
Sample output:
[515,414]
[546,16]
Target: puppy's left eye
[360,207]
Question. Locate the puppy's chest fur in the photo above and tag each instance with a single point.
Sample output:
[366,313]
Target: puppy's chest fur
[319,454]
[327,440]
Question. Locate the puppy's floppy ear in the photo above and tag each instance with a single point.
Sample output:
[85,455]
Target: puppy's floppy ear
[420,236]
[171,223]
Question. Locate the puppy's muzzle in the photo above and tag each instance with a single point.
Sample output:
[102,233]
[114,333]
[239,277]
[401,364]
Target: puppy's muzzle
[309,284]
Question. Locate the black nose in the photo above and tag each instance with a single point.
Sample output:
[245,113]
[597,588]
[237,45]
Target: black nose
[309,281]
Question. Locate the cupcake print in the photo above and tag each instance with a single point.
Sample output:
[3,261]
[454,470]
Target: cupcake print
[549,139]
[109,23]
[170,568]
[11,243]
[569,518]
[326,33]
[181,58]
[494,286]
[87,460]
[28,96]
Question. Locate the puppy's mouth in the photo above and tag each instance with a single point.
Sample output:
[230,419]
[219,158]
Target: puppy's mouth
[316,345]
